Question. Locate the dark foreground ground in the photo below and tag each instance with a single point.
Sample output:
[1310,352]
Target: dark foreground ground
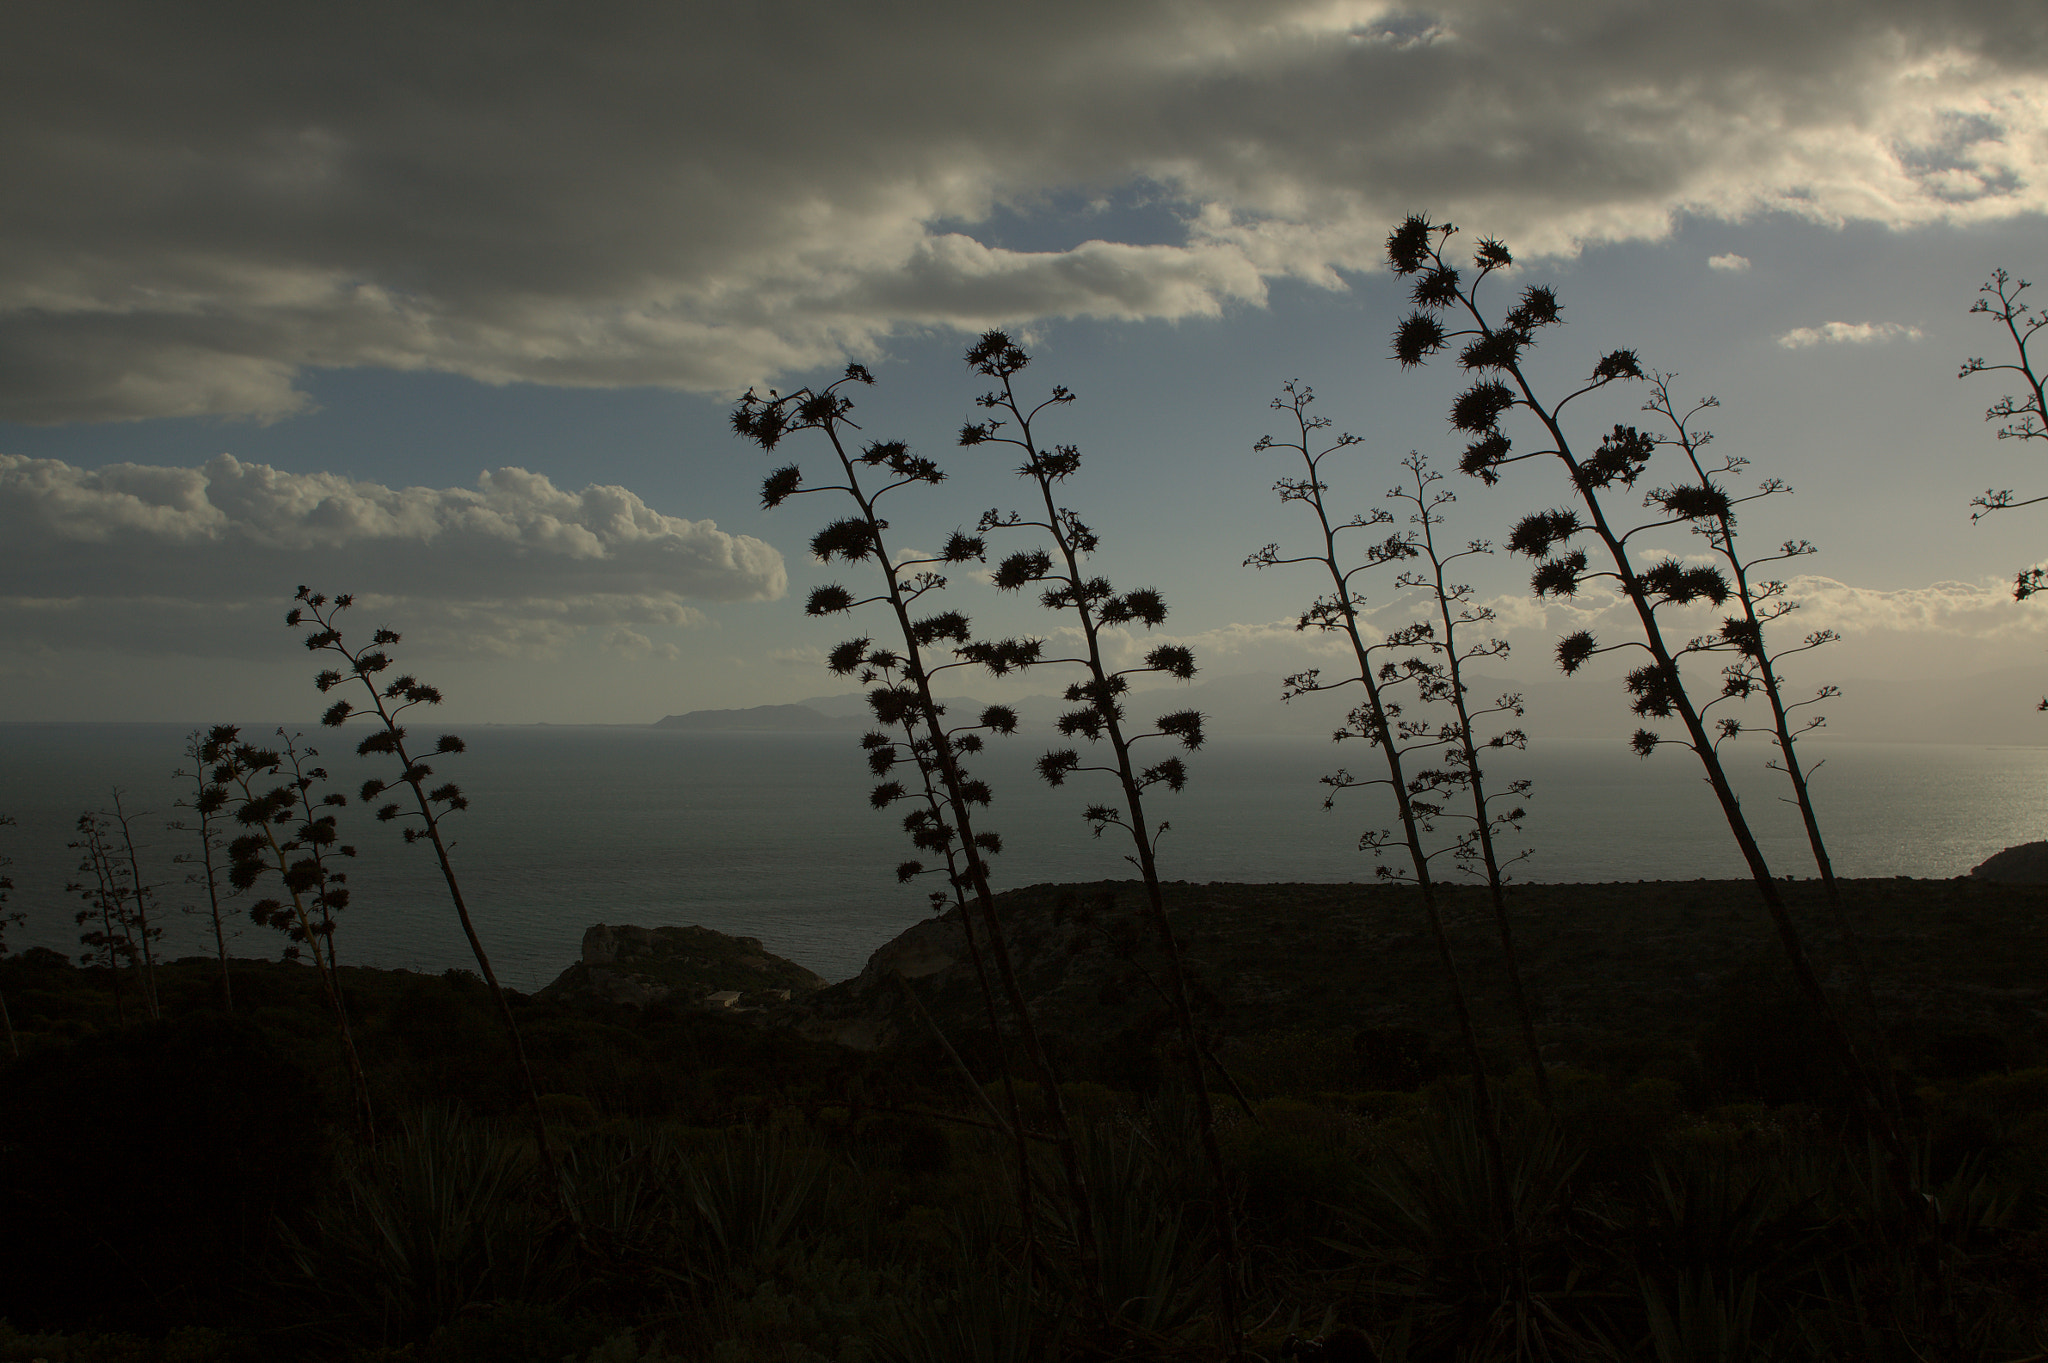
[815,1179]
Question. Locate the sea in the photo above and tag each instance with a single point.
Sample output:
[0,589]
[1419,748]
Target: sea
[771,835]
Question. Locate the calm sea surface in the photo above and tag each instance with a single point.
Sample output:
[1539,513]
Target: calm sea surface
[771,835]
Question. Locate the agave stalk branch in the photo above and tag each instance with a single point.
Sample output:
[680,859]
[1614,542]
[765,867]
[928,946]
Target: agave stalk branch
[957,882]
[388,737]
[1094,605]
[208,801]
[1416,248]
[110,943]
[138,892]
[237,767]
[1764,603]
[1338,612]
[8,919]
[1453,611]
[908,701]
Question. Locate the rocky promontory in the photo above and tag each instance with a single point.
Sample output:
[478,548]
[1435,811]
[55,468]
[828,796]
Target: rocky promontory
[691,965]
[2026,864]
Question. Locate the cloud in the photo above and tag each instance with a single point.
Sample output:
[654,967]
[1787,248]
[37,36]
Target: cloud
[1730,262]
[1979,612]
[1968,625]
[1847,333]
[203,560]
[208,200]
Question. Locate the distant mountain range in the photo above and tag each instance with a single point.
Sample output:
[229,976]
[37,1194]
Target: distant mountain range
[1989,707]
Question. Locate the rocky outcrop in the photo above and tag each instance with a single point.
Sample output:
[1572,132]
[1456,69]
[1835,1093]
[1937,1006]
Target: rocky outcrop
[692,965]
[2026,864]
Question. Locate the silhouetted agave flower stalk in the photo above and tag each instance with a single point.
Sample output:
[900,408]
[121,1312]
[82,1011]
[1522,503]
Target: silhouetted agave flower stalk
[8,919]
[1493,352]
[208,802]
[101,932]
[115,922]
[926,825]
[1419,798]
[321,889]
[139,895]
[428,806]
[2021,418]
[1065,586]
[266,802]
[1709,508]
[943,824]
[1463,770]
[932,832]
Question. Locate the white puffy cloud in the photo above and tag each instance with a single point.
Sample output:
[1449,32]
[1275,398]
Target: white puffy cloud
[205,200]
[1979,611]
[196,559]
[1848,333]
[1730,262]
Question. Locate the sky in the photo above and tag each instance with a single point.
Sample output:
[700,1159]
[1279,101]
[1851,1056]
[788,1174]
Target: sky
[446,305]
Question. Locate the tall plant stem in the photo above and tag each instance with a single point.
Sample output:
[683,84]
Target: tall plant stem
[1142,837]
[364,666]
[100,895]
[330,987]
[1020,1138]
[1722,537]
[1586,481]
[1383,737]
[1027,1215]
[1482,818]
[928,714]
[208,800]
[138,892]
[7,920]
[238,763]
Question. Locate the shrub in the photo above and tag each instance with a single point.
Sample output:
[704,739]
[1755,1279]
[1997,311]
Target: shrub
[145,1170]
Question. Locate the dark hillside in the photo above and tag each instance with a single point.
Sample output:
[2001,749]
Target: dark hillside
[1630,977]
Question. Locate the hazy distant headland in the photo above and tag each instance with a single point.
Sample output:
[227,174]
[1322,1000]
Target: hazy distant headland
[1989,707]
[761,719]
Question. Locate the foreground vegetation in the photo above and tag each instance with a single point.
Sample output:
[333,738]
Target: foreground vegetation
[194,1188]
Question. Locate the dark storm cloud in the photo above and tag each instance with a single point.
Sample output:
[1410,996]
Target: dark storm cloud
[204,199]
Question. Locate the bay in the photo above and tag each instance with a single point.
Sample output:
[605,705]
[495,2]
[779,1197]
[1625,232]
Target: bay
[771,835]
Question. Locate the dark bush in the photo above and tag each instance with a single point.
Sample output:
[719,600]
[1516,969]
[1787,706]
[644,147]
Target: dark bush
[1768,1042]
[143,1171]
[1396,1059]
[512,1333]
